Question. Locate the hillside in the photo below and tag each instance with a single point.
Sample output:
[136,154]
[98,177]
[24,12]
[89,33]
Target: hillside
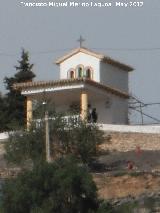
[116,180]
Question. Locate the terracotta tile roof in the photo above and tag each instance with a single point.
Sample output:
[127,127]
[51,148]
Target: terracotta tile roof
[102,57]
[65,82]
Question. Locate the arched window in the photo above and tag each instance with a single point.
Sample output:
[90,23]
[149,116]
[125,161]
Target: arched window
[80,70]
[71,74]
[89,72]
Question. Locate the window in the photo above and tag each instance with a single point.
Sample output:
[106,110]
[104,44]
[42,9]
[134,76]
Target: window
[79,71]
[71,74]
[88,73]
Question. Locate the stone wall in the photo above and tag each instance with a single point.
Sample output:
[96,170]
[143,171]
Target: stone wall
[123,142]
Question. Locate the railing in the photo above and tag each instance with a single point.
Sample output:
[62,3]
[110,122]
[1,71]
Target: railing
[67,119]
[71,118]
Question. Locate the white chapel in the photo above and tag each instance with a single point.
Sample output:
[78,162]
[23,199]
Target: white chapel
[86,79]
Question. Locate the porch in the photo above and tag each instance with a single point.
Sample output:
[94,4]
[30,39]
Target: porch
[77,94]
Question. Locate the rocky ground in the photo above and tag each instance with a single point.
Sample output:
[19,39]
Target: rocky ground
[130,179]
[141,160]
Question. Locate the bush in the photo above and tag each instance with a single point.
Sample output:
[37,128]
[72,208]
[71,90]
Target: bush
[78,139]
[25,148]
[60,187]
[105,207]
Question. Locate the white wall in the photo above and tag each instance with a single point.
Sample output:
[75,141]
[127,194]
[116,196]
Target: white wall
[80,58]
[102,72]
[113,76]
[130,128]
[117,113]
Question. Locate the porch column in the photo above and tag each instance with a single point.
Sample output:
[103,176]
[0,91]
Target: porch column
[29,112]
[84,105]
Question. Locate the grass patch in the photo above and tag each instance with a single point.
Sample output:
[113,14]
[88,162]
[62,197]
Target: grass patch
[127,207]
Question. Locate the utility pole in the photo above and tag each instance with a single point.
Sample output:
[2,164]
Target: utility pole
[47,140]
[141,113]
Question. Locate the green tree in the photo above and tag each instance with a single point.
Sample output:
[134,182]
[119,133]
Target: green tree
[3,117]
[14,101]
[105,207]
[64,186]
[60,187]
[25,148]
[78,139]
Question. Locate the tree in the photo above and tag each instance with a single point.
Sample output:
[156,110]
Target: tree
[15,102]
[60,187]
[105,207]
[64,186]
[78,139]
[25,148]
[3,117]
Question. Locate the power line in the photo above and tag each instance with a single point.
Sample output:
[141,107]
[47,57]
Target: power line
[149,116]
[94,48]
[36,52]
[129,49]
[7,54]
[50,51]
[140,106]
[150,104]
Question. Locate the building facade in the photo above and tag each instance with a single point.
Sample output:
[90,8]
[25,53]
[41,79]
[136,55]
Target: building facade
[87,79]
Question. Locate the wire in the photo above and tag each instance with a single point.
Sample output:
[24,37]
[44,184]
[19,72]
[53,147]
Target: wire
[94,48]
[129,49]
[141,104]
[152,104]
[51,51]
[7,54]
[137,100]
[149,116]
[37,52]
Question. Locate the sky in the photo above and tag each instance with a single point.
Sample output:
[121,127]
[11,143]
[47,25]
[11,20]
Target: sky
[129,34]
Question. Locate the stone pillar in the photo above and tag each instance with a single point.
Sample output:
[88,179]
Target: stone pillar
[29,112]
[84,105]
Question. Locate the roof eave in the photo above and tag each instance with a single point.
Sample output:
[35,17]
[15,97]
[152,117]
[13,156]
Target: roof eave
[101,57]
[75,51]
[118,64]
[44,84]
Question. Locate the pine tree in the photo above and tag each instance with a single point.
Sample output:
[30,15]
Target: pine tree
[2,114]
[15,102]
[24,69]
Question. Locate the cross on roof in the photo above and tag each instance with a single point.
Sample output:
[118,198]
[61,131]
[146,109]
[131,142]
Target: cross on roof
[80,40]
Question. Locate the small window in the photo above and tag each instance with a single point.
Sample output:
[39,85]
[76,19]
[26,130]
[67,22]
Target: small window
[88,73]
[71,74]
[80,72]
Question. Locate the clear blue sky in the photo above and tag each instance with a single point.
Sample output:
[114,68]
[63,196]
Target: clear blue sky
[130,35]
